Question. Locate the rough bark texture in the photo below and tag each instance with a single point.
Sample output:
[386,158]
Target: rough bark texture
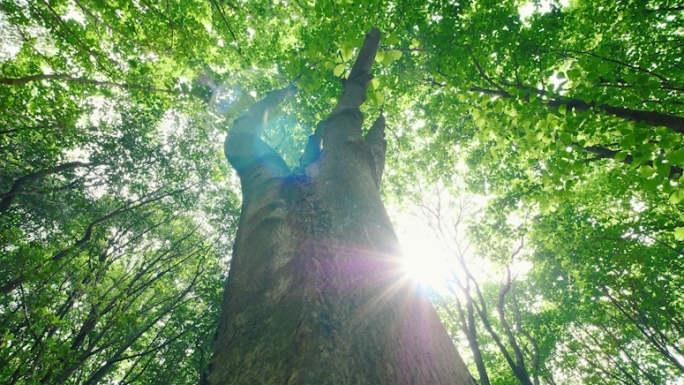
[316,293]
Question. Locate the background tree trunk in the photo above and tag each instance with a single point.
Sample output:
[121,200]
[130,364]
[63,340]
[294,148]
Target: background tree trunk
[316,292]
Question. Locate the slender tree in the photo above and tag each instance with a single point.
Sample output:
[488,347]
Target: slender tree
[316,293]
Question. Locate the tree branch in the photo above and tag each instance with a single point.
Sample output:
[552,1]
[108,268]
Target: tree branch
[68,78]
[13,284]
[669,9]
[606,153]
[651,118]
[243,146]
[520,370]
[225,21]
[98,20]
[637,68]
[18,185]
[355,87]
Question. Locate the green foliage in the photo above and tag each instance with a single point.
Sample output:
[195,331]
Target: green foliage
[111,243]
[616,272]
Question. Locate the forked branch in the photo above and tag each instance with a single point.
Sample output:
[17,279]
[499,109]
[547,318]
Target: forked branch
[255,161]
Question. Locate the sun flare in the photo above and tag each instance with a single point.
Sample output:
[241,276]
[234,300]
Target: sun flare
[425,261]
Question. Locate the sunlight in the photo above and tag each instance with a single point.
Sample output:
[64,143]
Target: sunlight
[425,261]
[542,7]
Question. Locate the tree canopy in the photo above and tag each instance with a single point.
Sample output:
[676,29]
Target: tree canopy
[118,210]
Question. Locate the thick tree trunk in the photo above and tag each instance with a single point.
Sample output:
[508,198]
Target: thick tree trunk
[316,293]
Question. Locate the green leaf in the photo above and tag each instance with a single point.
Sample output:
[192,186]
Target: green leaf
[620,156]
[562,109]
[679,233]
[575,74]
[652,184]
[663,170]
[543,124]
[646,171]
[339,70]
[628,142]
[676,157]
[346,52]
[566,138]
[638,158]
[396,54]
[377,98]
[374,85]
[391,39]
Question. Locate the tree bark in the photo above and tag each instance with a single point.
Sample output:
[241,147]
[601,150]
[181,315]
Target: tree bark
[316,292]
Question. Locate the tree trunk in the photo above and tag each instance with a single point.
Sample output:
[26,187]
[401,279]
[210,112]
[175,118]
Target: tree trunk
[316,292]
